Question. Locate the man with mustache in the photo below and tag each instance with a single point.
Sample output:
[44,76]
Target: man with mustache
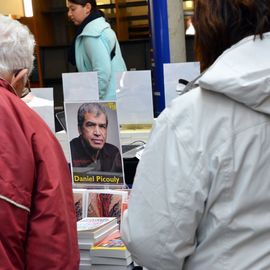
[90,148]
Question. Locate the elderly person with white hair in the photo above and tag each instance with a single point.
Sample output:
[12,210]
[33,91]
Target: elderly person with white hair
[38,224]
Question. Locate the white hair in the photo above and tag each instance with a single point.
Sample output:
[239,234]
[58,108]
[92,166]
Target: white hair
[16,46]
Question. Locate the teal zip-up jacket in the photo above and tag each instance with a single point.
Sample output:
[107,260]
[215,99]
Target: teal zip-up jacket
[93,49]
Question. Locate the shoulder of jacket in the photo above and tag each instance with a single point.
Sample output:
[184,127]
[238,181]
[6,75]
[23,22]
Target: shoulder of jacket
[184,104]
[110,149]
[95,28]
[75,142]
[189,114]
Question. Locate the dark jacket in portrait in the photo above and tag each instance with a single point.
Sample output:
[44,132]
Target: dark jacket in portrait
[109,156]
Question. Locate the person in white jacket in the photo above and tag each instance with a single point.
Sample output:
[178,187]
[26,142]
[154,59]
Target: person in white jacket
[201,195]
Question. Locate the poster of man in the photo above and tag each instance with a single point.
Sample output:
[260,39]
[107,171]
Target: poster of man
[93,133]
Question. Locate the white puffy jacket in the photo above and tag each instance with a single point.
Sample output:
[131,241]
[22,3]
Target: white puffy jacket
[201,196]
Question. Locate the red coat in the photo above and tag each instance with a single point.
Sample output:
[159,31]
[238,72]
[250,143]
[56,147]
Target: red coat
[37,216]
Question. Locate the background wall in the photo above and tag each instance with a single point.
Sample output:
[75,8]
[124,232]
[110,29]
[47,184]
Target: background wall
[14,7]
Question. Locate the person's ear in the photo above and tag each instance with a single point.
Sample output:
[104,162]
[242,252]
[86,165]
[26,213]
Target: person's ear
[88,8]
[21,74]
[19,79]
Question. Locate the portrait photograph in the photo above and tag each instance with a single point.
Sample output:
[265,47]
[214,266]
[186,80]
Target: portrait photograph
[94,143]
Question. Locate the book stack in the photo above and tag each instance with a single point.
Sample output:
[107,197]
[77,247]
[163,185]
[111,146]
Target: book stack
[111,254]
[92,230]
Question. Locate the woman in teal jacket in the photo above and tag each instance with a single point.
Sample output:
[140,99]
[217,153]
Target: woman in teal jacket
[95,46]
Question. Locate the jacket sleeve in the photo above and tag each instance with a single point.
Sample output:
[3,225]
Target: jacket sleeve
[38,223]
[167,201]
[12,237]
[52,236]
[100,59]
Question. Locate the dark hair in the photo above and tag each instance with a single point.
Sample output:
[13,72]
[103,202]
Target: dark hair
[84,2]
[95,108]
[93,3]
[221,23]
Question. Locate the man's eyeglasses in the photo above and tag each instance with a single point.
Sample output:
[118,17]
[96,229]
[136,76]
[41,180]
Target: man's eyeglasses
[27,88]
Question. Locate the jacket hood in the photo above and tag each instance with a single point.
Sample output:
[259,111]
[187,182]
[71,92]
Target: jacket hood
[95,27]
[243,73]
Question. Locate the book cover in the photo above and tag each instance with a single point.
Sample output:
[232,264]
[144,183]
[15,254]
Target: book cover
[79,196]
[111,246]
[94,142]
[105,203]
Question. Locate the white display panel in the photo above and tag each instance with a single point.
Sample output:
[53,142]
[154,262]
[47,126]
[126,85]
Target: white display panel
[80,86]
[134,97]
[175,71]
[41,101]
